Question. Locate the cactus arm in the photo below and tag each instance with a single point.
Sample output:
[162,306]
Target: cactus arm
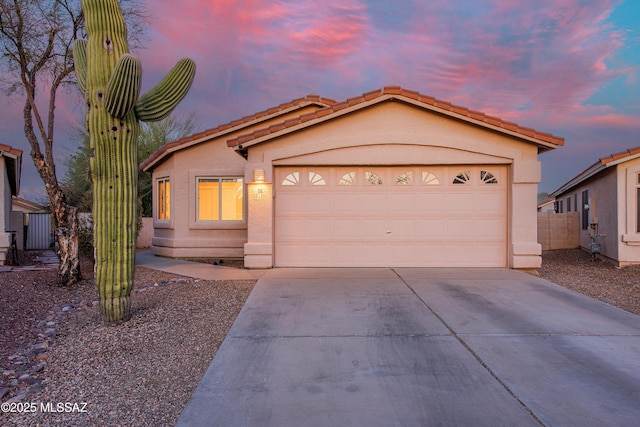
[123,88]
[162,99]
[80,63]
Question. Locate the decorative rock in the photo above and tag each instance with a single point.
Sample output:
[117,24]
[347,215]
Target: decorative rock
[9,373]
[23,377]
[50,331]
[51,323]
[43,346]
[3,392]
[42,357]
[66,307]
[39,367]
[182,281]
[18,397]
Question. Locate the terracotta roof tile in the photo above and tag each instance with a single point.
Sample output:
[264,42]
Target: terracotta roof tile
[428,99]
[443,105]
[493,120]
[293,122]
[9,149]
[356,100]
[460,110]
[164,150]
[392,90]
[340,106]
[620,155]
[372,95]
[323,112]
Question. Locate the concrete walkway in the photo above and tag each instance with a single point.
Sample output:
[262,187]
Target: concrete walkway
[421,347]
[197,270]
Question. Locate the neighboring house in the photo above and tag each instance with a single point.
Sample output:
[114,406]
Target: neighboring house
[10,170]
[389,178]
[547,206]
[23,210]
[607,195]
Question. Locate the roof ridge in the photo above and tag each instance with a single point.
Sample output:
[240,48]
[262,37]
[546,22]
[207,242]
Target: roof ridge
[399,91]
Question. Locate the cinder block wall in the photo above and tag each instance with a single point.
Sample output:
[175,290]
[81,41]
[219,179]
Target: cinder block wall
[559,231]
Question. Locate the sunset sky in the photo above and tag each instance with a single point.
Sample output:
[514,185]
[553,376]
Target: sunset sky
[568,67]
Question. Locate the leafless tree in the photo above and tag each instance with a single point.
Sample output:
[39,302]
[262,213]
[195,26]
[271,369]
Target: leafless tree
[36,42]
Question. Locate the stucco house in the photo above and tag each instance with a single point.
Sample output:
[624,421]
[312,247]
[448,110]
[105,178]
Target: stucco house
[10,170]
[607,196]
[388,178]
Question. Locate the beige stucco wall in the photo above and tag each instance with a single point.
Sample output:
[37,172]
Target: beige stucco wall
[183,235]
[629,236]
[613,206]
[394,133]
[602,210]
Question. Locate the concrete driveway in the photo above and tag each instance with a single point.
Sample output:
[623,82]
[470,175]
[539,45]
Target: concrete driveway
[421,347]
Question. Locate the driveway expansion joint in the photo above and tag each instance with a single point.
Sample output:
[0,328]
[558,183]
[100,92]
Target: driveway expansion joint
[471,351]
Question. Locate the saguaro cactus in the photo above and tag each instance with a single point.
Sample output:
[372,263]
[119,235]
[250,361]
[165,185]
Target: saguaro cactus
[109,78]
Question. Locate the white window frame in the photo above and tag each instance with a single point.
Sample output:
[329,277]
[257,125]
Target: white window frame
[219,179]
[163,202]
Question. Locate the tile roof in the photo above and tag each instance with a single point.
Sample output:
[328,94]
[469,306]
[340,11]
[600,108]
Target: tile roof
[8,149]
[620,156]
[395,92]
[600,165]
[233,126]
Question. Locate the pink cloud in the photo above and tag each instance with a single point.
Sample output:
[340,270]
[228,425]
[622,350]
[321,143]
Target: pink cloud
[533,64]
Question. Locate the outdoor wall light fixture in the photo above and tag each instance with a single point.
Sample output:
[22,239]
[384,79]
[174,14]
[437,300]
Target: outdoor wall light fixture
[258,175]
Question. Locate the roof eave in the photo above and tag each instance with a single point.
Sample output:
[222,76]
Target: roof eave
[14,167]
[591,171]
[148,164]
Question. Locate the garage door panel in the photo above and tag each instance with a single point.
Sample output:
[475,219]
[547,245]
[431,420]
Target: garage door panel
[460,229]
[422,223]
[318,203]
[403,203]
[492,203]
[432,229]
[318,229]
[290,228]
[429,202]
[462,254]
[372,204]
[343,254]
[345,229]
[490,228]
[344,203]
[291,203]
[372,229]
[402,228]
[373,255]
[459,203]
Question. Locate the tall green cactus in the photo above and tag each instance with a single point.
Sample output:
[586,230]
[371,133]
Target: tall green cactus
[109,78]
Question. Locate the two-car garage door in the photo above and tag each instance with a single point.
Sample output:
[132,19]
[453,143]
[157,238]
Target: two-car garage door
[421,216]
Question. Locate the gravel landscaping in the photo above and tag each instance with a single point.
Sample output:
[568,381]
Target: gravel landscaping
[55,350]
[140,373]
